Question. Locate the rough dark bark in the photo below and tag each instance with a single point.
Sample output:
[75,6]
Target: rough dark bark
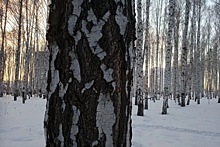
[90,73]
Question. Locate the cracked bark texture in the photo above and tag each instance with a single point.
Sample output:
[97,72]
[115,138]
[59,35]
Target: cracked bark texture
[90,73]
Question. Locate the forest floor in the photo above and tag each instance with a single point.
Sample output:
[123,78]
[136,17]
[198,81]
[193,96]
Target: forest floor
[190,126]
[21,125]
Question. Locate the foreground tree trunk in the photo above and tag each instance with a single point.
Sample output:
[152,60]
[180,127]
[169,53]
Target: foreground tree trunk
[89,76]
[168,58]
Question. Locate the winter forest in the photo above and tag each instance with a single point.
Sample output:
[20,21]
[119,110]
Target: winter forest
[109,73]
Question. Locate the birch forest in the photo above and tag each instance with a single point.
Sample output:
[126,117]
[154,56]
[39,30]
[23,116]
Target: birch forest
[90,58]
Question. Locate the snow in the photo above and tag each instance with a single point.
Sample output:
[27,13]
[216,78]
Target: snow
[21,125]
[190,126]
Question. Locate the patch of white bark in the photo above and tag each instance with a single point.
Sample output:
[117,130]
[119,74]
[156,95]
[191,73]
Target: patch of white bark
[60,137]
[54,73]
[105,118]
[107,73]
[87,86]
[75,67]
[75,128]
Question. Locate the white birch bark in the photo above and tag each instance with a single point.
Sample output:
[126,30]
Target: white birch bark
[184,54]
[139,58]
[158,22]
[198,61]
[146,52]
[176,53]
[168,58]
[191,48]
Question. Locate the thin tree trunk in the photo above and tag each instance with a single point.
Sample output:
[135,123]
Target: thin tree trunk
[139,78]
[17,58]
[168,58]
[2,51]
[191,48]
[176,50]
[27,55]
[184,55]
[146,52]
[198,78]
[219,79]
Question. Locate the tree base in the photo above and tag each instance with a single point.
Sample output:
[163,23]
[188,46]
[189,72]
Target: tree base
[188,101]
[164,112]
[140,109]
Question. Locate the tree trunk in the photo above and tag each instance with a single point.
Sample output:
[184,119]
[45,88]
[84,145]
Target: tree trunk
[191,48]
[146,53]
[139,58]
[27,55]
[198,78]
[168,58]
[17,58]
[176,50]
[89,76]
[2,51]
[184,55]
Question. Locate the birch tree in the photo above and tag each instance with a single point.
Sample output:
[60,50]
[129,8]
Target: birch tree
[17,57]
[27,54]
[139,60]
[176,53]
[146,52]
[191,48]
[158,23]
[184,54]
[2,51]
[89,74]
[198,77]
[168,58]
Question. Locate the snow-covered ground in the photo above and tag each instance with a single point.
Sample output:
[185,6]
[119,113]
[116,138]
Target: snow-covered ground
[21,125]
[190,126]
